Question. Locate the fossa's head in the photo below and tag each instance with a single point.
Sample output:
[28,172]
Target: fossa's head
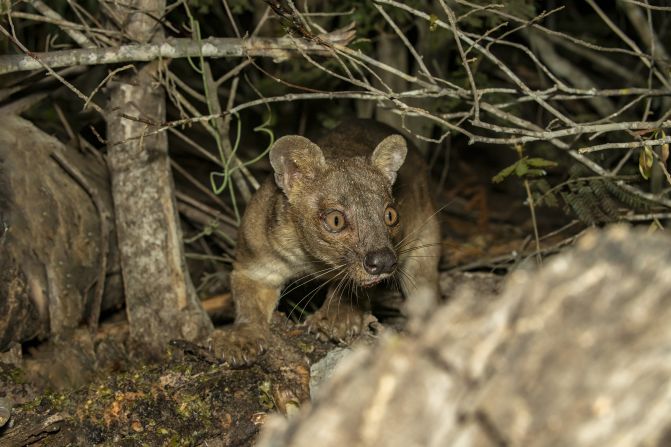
[343,208]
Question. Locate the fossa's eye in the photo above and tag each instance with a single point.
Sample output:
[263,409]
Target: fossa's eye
[335,221]
[390,216]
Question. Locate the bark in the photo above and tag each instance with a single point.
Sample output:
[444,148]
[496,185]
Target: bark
[55,241]
[160,299]
[575,354]
[389,53]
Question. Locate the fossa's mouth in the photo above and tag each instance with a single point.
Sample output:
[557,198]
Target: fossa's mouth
[374,280]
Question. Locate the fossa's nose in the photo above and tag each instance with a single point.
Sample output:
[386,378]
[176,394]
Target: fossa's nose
[380,261]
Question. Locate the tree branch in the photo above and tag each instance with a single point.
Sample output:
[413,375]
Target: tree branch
[278,49]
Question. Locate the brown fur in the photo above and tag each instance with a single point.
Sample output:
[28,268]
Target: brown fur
[283,235]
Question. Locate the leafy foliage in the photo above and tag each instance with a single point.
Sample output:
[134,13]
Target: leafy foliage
[525,167]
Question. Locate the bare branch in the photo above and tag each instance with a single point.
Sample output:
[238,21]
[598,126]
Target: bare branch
[279,49]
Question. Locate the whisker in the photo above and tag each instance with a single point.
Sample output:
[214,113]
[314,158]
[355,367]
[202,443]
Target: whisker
[336,293]
[315,275]
[407,276]
[425,222]
[400,246]
[422,256]
[340,287]
[407,250]
[313,292]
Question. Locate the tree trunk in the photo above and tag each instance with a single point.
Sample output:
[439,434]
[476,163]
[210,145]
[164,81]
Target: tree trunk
[160,298]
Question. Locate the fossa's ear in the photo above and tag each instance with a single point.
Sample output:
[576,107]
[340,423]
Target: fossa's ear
[295,158]
[389,155]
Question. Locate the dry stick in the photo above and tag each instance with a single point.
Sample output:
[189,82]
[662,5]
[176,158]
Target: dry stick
[280,48]
[564,68]
[75,35]
[530,201]
[464,61]
[215,214]
[577,94]
[628,41]
[393,97]
[230,18]
[477,10]
[487,34]
[513,257]
[646,32]
[183,102]
[109,76]
[199,148]
[575,130]
[104,236]
[624,145]
[283,98]
[198,185]
[408,45]
[583,43]
[233,72]
[170,84]
[222,124]
[649,37]
[220,237]
[609,66]
[33,57]
[62,23]
[80,12]
[530,135]
[184,86]
[646,5]
[241,166]
[66,125]
[559,84]
[496,61]
[616,113]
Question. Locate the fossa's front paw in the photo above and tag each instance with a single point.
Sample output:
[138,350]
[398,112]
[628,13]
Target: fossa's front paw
[342,325]
[239,345]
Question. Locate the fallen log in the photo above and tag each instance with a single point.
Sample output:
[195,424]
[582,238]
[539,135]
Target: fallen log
[57,244]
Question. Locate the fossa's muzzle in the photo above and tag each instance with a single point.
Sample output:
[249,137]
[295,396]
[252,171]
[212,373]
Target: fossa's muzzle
[380,261]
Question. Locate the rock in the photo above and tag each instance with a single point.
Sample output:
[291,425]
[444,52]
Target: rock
[576,353]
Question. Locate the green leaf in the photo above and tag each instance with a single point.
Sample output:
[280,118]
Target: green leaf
[535,173]
[504,173]
[541,163]
[522,168]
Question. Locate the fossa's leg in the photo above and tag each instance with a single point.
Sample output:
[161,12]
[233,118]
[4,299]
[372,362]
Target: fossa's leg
[247,339]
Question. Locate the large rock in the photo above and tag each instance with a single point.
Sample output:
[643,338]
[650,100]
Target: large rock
[575,354]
